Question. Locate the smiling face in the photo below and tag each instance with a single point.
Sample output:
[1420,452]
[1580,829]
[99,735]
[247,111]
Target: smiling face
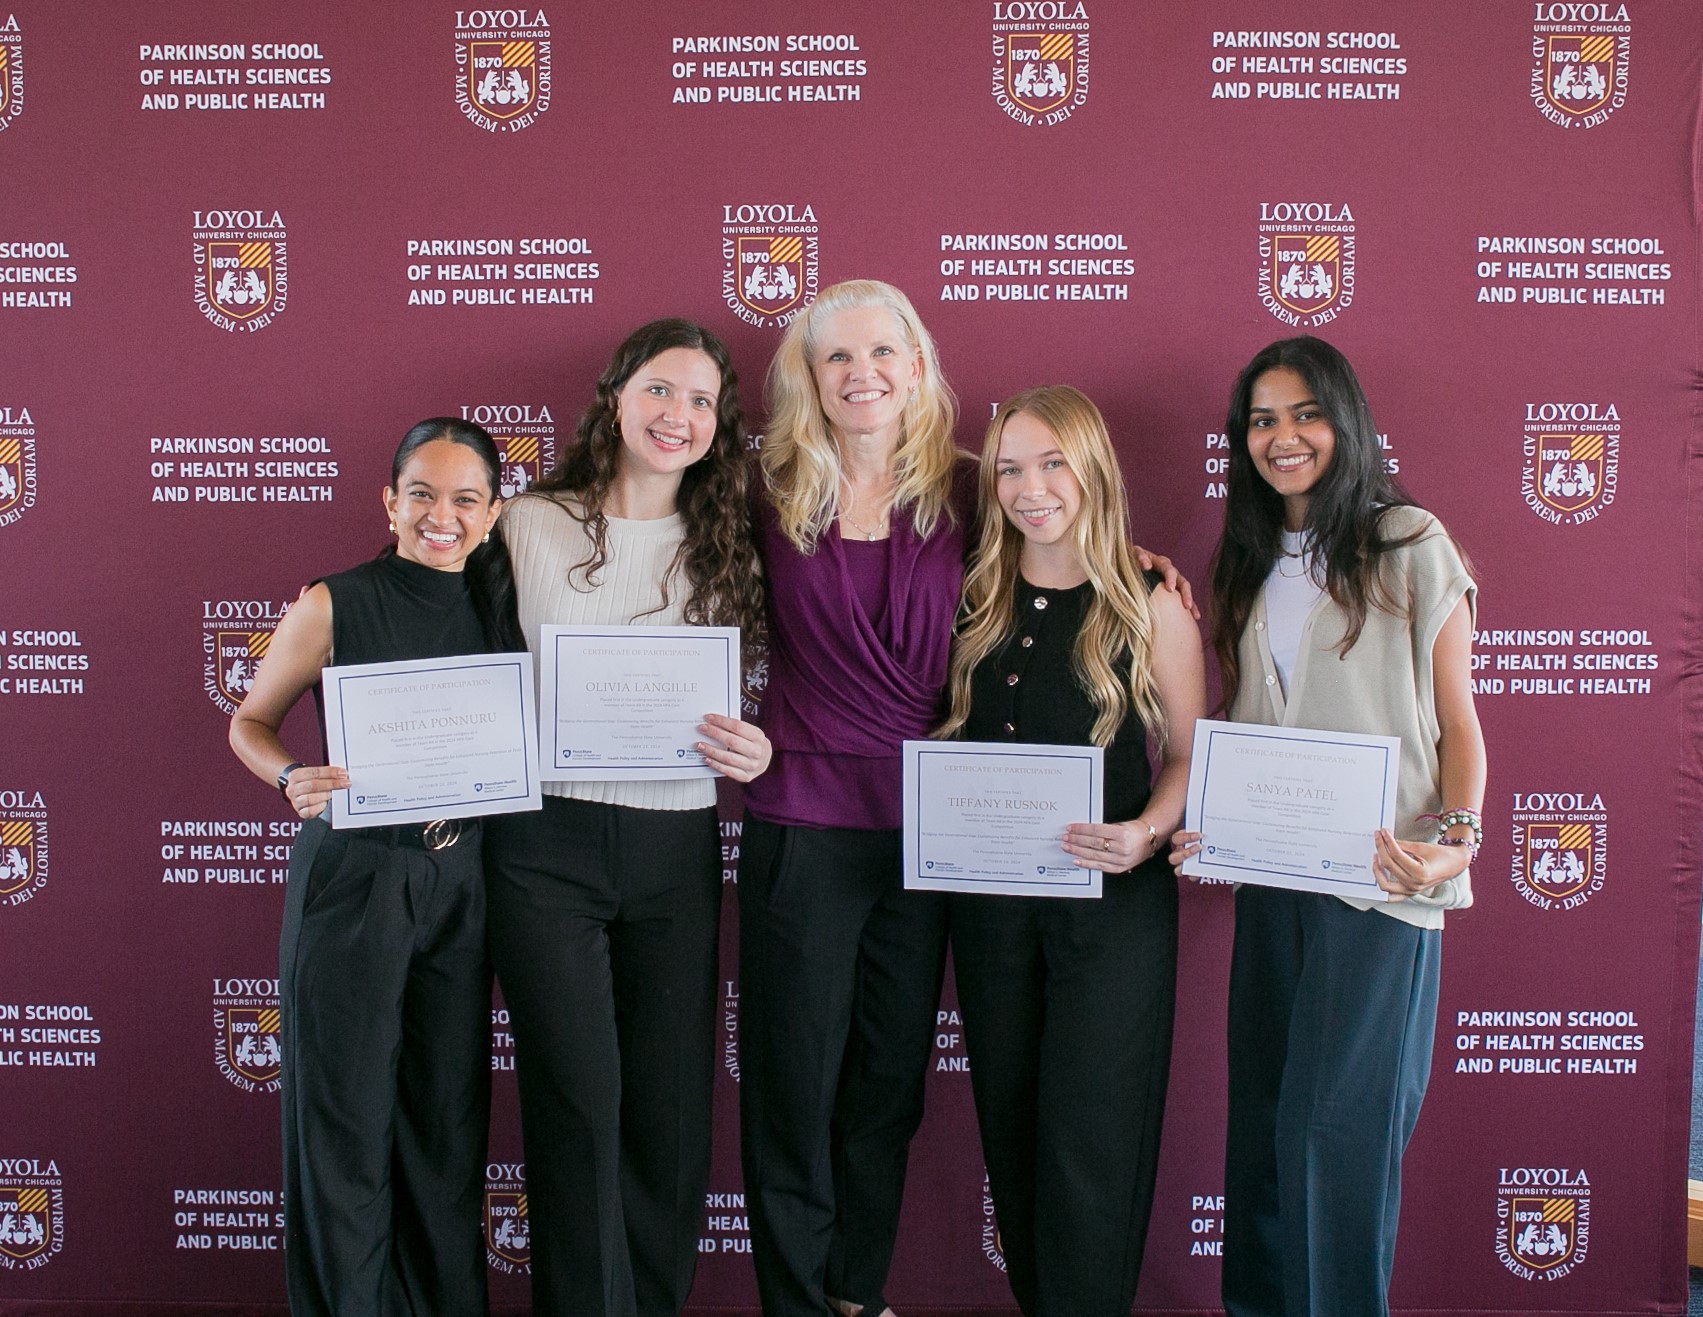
[1290,440]
[666,413]
[1037,490]
[865,371]
[442,505]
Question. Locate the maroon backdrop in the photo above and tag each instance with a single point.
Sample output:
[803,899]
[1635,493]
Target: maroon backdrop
[244,247]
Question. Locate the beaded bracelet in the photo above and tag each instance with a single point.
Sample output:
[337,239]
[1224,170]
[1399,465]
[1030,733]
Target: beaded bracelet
[1469,818]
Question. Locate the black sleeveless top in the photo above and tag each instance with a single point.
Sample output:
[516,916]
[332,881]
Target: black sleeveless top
[392,609]
[1026,692]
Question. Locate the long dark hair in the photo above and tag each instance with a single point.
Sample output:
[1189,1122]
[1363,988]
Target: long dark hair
[1344,510]
[490,578]
[718,556]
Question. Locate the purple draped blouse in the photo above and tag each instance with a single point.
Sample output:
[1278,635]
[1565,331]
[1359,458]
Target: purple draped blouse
[845,687]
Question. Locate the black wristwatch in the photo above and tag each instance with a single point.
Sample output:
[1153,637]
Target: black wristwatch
[284,778]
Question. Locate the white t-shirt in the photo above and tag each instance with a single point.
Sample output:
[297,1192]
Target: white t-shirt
[1291,590]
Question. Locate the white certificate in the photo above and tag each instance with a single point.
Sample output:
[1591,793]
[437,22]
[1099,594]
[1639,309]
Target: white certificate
[990,818]
[623,703]
[1290,807]
[445,738]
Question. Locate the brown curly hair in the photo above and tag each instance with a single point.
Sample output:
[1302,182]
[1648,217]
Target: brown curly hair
[718,556]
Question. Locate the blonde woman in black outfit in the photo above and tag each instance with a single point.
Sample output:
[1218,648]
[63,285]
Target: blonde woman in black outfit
[1067,1003]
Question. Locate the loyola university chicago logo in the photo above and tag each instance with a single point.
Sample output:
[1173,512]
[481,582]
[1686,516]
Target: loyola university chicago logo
[1580,58]
[770,261]
[248,1045]
[235,635]
[1560,847]
[1543,1220]
[17,462]
[32,1212]
[23,846]
[502,67]
[11,71]
[526,441]
[1572,460]
[241,270]
[508,1228]
[1040,59]
[1306,270]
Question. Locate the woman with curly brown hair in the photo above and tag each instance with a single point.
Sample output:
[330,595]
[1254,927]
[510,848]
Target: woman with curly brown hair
[604,907]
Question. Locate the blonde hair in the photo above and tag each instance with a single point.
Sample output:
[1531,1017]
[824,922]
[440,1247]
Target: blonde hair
[1120,617]
[801,461]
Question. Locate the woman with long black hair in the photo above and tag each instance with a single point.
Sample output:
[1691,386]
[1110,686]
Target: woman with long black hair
[1338,604]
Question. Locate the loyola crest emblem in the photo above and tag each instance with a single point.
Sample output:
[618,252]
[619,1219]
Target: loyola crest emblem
[1570,470]
[1306,270]
[521,459]
[11,468]
[1558,857]
[502,76]
[1579,70]
[19,862]
[508,1229]
[1040,69]
[239,277]
[1542,1231]
[771,272]
[253,1044]
[26,1222]
[237,659]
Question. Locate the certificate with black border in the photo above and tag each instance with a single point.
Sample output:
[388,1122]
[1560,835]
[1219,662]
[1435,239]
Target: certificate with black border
[990,817]
[1290,806]
[424,739]
[623,703]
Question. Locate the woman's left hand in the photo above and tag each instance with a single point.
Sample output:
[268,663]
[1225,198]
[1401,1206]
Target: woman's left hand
[1109,847]
[740,750]
[1407,868]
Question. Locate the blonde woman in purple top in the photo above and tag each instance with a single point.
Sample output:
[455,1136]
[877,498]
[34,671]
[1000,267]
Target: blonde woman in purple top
[862,534]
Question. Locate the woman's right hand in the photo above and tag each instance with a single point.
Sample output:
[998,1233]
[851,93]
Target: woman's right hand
[1183,845]
[740,750]
[309,789]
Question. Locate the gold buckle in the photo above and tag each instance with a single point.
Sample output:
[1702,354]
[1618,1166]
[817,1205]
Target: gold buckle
[441,834]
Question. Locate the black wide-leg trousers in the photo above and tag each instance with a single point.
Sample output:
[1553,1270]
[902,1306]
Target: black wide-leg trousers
[839,981]
[603,928]
[1068,1008]
[386,1001]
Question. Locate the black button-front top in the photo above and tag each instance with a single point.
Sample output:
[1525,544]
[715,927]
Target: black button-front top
[1027,692]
